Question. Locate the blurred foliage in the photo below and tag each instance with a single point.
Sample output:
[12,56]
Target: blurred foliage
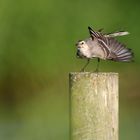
[37,52]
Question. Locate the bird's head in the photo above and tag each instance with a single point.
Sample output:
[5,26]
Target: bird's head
[82,48]
[81,44]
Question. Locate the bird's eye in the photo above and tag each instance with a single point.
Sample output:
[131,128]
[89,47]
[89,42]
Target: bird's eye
[82,43]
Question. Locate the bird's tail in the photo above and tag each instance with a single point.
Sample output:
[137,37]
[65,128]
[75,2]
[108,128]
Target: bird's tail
[119,52]
[120,33]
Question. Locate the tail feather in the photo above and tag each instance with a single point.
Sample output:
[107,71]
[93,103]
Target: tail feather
[120,33]
[119,52]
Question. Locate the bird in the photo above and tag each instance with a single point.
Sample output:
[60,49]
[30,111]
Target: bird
[103,46]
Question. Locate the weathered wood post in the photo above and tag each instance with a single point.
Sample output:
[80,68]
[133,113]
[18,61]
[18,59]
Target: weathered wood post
[93,106]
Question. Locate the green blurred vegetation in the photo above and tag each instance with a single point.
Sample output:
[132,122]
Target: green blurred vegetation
[37,52]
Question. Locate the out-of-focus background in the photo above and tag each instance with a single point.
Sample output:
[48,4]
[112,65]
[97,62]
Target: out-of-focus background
[37,52]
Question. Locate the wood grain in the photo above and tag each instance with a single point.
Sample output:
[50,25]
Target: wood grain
[93,106]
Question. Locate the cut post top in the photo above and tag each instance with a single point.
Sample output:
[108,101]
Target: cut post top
[89,75]
[96,73]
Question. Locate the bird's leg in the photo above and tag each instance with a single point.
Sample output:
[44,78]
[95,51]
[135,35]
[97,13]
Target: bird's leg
[83,69]
[98,62]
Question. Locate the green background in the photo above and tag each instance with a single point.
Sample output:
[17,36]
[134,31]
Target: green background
[37,52]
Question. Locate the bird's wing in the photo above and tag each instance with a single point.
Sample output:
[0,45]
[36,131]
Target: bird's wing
[93,33]
[100,30]
[102,41]
[119,52]
[112,48]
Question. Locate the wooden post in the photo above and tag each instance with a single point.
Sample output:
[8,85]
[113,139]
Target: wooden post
[93,106]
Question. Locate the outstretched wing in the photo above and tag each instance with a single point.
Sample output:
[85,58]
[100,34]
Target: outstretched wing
[113,49]
[93,33]
[102,40]
[119,52]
